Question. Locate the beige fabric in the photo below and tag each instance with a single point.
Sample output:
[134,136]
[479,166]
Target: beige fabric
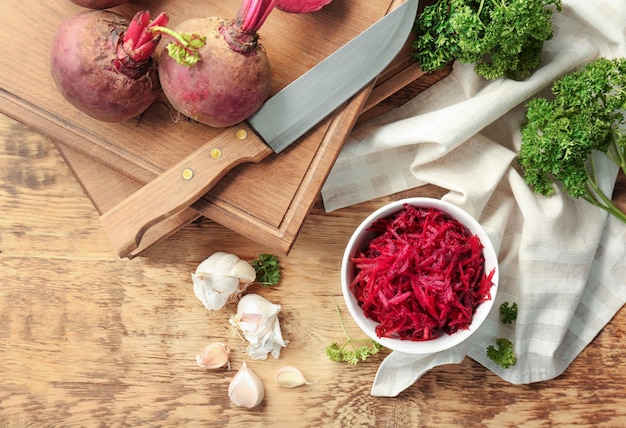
[562,260]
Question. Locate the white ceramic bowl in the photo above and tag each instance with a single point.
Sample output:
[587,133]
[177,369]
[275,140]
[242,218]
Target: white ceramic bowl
[359,241]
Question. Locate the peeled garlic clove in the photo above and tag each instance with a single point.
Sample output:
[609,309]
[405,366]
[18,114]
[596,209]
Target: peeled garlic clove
[246,389]
[290,377]
[215,356]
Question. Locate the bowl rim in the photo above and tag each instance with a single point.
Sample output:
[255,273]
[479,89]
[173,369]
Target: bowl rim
[359,239]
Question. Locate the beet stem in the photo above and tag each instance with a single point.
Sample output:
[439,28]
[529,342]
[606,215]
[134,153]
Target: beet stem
[139,42]
[252,14]
[135,28]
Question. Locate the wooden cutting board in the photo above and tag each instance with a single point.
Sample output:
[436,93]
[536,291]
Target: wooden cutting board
[266,202]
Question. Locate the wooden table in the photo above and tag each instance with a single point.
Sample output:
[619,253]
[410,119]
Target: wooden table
[88,339]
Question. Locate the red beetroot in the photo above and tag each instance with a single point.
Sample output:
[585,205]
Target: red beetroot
[229,77]
[301,6]
[99,4]
[102,64]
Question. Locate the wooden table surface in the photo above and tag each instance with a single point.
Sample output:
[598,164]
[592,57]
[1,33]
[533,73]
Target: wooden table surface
[88,339]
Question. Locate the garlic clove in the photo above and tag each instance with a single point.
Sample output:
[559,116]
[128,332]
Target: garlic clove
[225,264]
[222,278]
[246,389]
[290,377]
[214,292]
[215,356]
[276,340]
[244,271]
[208,265]
[257,320]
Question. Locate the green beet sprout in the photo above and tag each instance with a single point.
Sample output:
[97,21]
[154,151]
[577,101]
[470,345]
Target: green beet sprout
[561,137]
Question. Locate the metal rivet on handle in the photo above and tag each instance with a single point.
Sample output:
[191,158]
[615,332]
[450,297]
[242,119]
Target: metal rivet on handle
[241,134]
[216,153]
[187,173]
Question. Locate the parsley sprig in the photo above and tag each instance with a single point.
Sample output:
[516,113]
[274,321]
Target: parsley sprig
[267,269]
[352,350]
[508,313]
[501,37]
[503,353]
[562,136]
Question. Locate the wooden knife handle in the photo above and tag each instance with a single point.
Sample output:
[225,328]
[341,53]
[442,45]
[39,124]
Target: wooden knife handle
[180,186]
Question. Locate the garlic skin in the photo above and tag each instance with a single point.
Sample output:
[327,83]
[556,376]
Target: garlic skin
[215,356]
[220,279]
[290,377]
[257,320]
[246,388]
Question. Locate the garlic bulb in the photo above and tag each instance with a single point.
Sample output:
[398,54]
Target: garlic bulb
[220,279]
[215,356]
[257,320]
[246,388]
[290,377]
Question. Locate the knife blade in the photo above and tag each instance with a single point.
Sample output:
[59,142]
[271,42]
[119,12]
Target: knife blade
[281,121]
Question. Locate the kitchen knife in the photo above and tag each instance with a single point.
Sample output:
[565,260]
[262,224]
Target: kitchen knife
[282,120]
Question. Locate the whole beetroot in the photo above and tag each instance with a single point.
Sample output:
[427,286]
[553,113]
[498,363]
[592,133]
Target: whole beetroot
[228,77]
[102,64]
[99,4]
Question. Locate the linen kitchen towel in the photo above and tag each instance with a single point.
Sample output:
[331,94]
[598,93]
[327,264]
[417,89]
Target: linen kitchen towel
[562,260]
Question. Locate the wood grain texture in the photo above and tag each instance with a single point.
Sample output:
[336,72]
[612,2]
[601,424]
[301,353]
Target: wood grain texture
[142,149]
[87,339]
[107,187]
[176,189]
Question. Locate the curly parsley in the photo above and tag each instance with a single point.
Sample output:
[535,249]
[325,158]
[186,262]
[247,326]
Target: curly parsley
[503,354]
[501,37]
[267,270]
[352,350]
[562,136]
[508,313]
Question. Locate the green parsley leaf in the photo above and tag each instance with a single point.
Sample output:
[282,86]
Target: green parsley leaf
[502,38]
[503,354]
[561,137]
[352,350]
[267,269]
[438,43]
[508,313]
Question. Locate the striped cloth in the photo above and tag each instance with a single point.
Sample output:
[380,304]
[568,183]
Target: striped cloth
[562,260]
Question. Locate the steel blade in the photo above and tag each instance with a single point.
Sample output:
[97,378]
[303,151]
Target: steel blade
[309,99]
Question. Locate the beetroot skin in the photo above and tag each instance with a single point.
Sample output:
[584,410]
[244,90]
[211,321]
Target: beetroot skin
[301,6]
[94,74]
[99,4]
[225,86]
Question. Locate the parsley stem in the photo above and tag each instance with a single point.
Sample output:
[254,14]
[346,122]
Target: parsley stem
[349,340]
[617,153]
[343,327]
[480,8]
[596,196]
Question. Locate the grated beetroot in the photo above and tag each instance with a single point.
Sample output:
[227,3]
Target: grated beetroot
[421,276]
